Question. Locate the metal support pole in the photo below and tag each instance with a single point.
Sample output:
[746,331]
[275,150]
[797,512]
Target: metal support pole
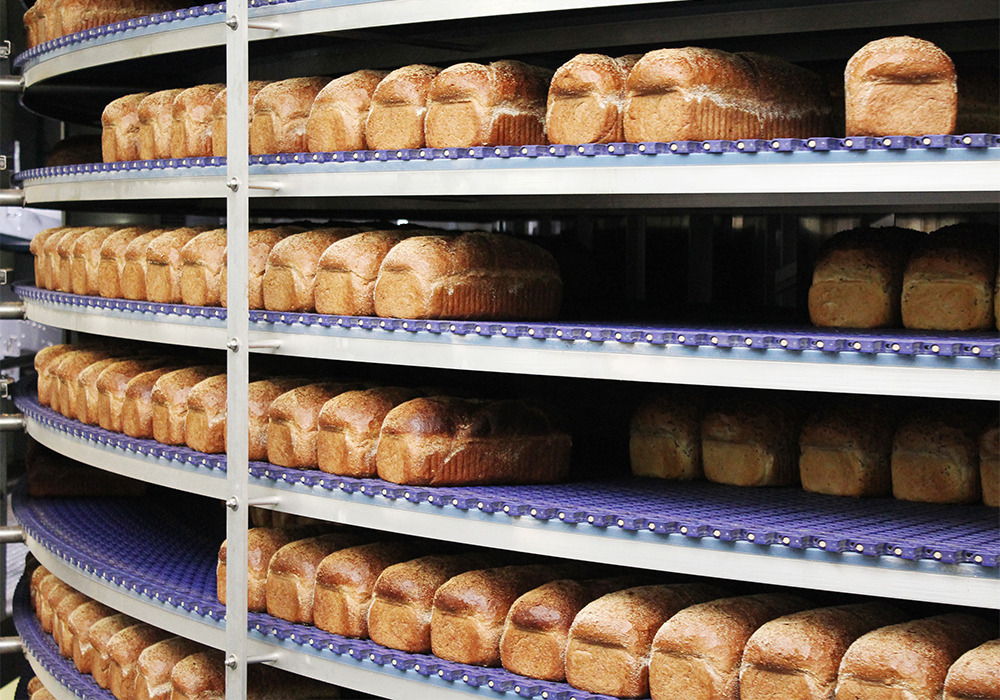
[11,645]
[11,534]
[238,330]
[11,198]
[11,83]
[12,310]
[10,422]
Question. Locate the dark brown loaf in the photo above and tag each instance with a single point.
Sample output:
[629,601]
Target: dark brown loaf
[100,635]
[989,464]
[610,640]
[291,575]
[202,676]
[500,104]
[137,407]
[474,275]
[262,241]
[536,629]
[586,100]
[470,609]
[750,442]
[280,111]
[120,128]
[202,260]
[845,449]
[900,86]
[80,622]
[909,660]
[665,437]
[439,441]
[697,652]
[262,544]
[348,270]
[345,581]
[111,267]
[169,397]
[44,362]
[85,260]
[935,457]
[974,675]
[398,108]
[797,656]
[156,662]
[124,649]
[349,426]
[339,112]
[156,121]
[858,278]
[403,599]
[75,150]
[220,138]
[191,131]
[163,265]
[950,280]
[292,423]
[698,94]
[133,270]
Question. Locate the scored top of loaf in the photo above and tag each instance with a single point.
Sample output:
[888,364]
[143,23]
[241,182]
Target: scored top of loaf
[289,99]
[588,73]
[469,418]
[489,593]
[123,106]
[207,248]
[360,566]
[974,673]
[303,250]
[363,410]
[418,579]
[362,254]
[445,256]
[554,605]
[302,404]
[900,58]
[499,83]
[408,84]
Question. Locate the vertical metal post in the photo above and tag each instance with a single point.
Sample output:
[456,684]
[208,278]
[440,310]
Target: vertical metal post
[237,364]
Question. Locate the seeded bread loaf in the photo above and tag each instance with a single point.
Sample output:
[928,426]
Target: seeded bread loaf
[262,544]
[111,267]
[665,437]
[156,123]
[935,457]
[348,270]
[120,128]
[202,260]
[750,441]
[111,386]
[974,675]
[101,634]
[156,662]
[338,114]
[169,397]
[137,407]
[80,622]
[262,241]
[163,265]
[220,121]
[280,111]
[398,108]
[292,423]
[125,649]
[191,128]
[205,419]
[586,100]
[133,269]
[290,276]
[989,464]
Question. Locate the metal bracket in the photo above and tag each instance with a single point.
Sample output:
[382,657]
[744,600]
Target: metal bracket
[3,162]
[5,273]
[11,534]
[5,383]
[5,49]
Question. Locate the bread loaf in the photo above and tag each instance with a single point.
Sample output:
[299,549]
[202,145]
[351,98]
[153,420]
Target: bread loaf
[261,395]
[156,662]
[44,363]
[398,108]
[536,629]
[262,544]
[163,265]
[911,659]
[156,122]
[797,656]
[36,248]
[845,449]
[474,275]
[292,423]
[34,685]
[611,638]
[348,270]
[34,24]
[61,633]
[291,575]
[137,406]
[665,437]
[440,441]
[87,402]
[200,675]
[202,259]
[900,86]
[974,675]
[125,648]
[262,241]
[697,652]
[935,457]
[696,94]
[62,268]
[111,11]
[500,104]
[470,610]
[133,271]
[220,122]
[858,278]
[49,262]
[349,426]
[111,267]
[750,442]
[85,259]
[403,599]
[950,279]
[280,111]
[989,464]
[290,276]
[67,372]
[101,634]
[80,621]
[345,581]
[586,100]
[51,591]
[205,420]
[169,397]
[190,132]
[120,128]
[111,386]
[338,114]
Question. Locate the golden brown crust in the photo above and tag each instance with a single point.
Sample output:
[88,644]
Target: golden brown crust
[474,275]
[292,423]
[124,649]
[85,259]
[120,128]
[155,664]
[62,262]
[112,263]
[169,397]
[111,386]
[205,421]
[191,128]
[87,397]
[61,632]
[220,121]
[280,111]
[262,241]
[137,407]
[100,635]
[199,676]
[750,442]
[900,85]
[66,372]
[156,120]
[37,248]
[290,277]
[339,112]
[935,457]
[133,268]
[586,100]
[348,270]
[163,265]
[262,544]
[80,621]
[989,464]
[665,437]
[261,395]
[398,108]
[44,363]
[202,259]
[973,676]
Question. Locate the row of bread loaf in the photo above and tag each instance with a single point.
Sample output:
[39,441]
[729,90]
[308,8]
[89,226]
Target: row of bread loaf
[400,434]
[403,273]
[945,453]
[880,277]
[134,660]
[618,634]
[46,20]
[898,85]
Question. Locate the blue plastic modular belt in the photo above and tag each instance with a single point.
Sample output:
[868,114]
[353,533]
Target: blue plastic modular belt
[774,516]
[45,650]
[851,341]
[141,544]
[818,144]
